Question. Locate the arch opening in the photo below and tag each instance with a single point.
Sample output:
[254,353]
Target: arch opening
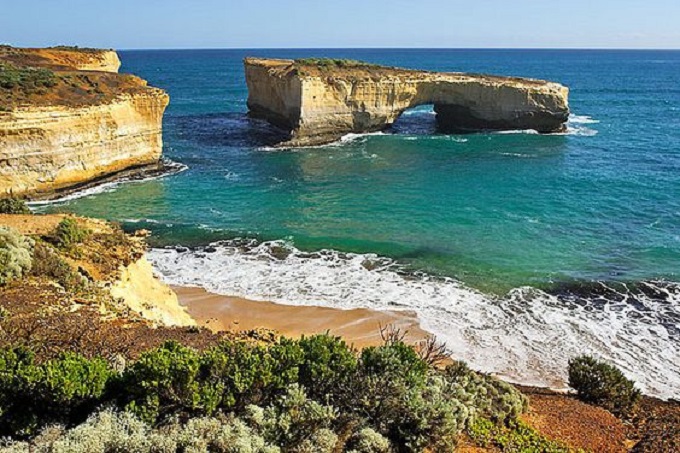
[418,120]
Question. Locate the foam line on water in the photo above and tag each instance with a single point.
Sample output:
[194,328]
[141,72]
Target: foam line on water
[172,169]
[526,336]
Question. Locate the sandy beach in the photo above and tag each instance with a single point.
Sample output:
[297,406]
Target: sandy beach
[358,326]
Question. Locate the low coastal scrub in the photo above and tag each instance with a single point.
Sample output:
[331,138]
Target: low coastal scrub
[315,394]
[513,437]
[26,79]
[13,206]
[69,233]
[604,385]
[330,63]
[16,254]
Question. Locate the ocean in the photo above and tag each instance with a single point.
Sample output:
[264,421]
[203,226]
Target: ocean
[518,250]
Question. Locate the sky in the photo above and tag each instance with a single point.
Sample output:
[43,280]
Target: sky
[156,24]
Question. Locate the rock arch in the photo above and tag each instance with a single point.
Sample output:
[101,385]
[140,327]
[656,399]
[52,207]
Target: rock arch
[320,101]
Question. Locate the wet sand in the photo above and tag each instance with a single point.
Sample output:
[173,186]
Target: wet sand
[358,326]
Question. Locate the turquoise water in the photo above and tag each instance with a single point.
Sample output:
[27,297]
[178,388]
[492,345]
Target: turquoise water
[590,218]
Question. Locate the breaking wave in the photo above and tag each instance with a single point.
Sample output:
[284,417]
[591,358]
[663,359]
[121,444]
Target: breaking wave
[526,336]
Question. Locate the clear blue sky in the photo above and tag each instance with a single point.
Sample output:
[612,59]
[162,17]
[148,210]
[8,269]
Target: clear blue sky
[131,24]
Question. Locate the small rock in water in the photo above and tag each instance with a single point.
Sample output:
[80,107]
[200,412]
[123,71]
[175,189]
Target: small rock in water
[279,252]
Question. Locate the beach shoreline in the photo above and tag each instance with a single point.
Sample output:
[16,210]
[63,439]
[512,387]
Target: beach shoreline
[359,326]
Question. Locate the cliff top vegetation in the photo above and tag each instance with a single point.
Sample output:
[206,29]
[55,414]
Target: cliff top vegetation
[34,77]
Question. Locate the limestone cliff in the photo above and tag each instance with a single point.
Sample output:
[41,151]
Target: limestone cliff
[76,122]
[62,58]
[47,148]
[318,101]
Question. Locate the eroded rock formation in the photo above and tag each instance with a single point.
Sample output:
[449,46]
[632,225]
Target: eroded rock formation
[78,122]
[319,101]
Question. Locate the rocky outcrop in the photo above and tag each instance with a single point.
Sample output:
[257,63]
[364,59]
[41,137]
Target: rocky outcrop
[318,101]
[94,60]
[142,292]
[48,148]
[87,124]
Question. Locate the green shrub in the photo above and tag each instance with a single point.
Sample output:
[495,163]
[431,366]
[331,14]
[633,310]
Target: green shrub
[517,437]
[69,233]
[394,358]
[26,79]
[13,206]
[328,365]
[169,380]
[604,385]
[65,389]
[311,395]
[485,395]
[253,374]
[15,254]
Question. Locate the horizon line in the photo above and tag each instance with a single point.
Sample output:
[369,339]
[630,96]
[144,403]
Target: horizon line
[405,48]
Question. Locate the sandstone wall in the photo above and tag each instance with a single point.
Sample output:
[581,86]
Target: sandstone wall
[145,294]
[80,60]
[45,149]
[332,102]
[276,99]
[106,60]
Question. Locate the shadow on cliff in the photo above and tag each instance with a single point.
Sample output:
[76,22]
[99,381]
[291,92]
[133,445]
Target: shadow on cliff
[234,129]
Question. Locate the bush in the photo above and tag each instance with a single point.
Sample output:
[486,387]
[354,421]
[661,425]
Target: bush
[604,385]
[327,366]
[368,441]
[253,374]
[224,434]
[296,423]
[69,233]
[485,395]
[65,389]
[169,380]
[311,395]
[13,206]
[15,254]
[395,358]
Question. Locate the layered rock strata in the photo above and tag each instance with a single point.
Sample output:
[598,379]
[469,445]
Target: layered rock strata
[87,124]
[319,101]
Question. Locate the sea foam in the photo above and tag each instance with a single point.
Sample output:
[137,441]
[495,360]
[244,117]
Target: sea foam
[171,168]
[526,336]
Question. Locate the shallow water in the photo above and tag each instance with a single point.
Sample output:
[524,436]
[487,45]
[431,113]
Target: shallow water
[519,249]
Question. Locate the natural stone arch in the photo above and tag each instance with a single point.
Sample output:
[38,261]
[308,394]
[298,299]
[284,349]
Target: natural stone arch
[319,103]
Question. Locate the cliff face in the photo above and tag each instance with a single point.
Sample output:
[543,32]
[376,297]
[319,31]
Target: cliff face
[82,124]
[319,102]
[48,148]
[145,294]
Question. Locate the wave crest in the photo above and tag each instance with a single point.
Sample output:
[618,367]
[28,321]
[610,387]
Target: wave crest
[526,336]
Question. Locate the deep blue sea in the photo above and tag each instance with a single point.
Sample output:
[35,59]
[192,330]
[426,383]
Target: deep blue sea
[519,250]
